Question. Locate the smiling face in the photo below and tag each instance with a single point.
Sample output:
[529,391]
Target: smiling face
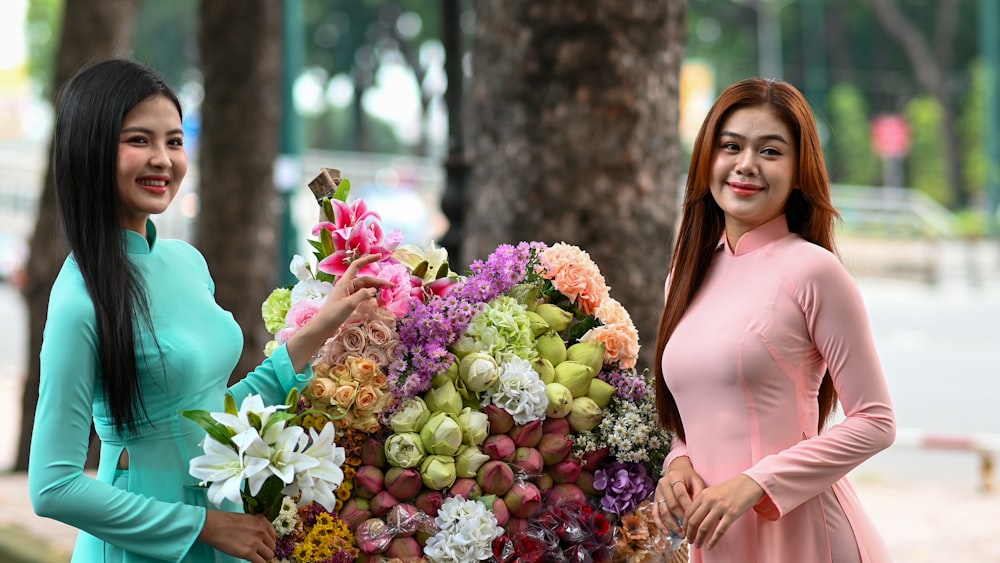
[152,161]
[754,167]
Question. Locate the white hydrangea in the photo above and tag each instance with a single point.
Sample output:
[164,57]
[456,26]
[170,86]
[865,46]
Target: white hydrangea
[519,390]
[467,530]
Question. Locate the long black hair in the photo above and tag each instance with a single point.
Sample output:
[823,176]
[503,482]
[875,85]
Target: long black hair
[91,108]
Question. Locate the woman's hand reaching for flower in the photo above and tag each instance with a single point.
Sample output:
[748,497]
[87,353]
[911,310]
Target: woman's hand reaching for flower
[251,538]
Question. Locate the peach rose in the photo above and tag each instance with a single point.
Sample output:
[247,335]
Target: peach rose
[319,389]
[344,395]
[340,372]
[368,398]
[574,275]
[621,343]
[363,369]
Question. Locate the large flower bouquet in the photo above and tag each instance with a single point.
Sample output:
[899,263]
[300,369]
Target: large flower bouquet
[493,416]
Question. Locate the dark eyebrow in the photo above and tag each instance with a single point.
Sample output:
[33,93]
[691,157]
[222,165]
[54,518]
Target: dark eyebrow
[774,137]
[150,131]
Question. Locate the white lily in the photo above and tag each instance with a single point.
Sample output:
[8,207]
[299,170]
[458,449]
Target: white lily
[240,422]
[225,468]
[320,482]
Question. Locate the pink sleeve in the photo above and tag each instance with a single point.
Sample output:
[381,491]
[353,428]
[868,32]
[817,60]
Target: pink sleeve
[838,324]
[677,449]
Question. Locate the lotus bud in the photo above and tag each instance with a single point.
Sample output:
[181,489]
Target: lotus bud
[554,448]
[438,472]
[469,460]
[479,371]
[373,452]
[403,482]
[368,481]
[557,317]
[575,376]
[560,400]
[404,450]
[463,347]
[544,482]
[403,548]
[523,499]
[585,414]
[355,511]
[551,347]
[590,354]
[442,435]
[499,447]
[601,392]
[500,511]
[527,434]
[475,426]
[536,324]
[411,417]
[429,501]
[565,492]
[566,471]
[544,369]
[501,421]
[465,487]
[495,477]
[592,459]
[450,374]
[444,399]
[373,536]
[382,503]
[556,426]
[586,483]
[529,460]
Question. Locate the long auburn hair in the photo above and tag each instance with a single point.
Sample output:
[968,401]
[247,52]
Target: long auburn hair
[809,211]
[92,106]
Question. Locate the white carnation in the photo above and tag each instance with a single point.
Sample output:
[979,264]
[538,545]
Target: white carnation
[467,530]
[519,390]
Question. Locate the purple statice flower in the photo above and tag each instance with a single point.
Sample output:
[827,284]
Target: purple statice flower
[285,548]
[629,386]
[625,485]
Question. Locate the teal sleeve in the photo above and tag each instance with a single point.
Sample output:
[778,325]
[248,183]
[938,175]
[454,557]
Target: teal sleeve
[272,380]
[59,488]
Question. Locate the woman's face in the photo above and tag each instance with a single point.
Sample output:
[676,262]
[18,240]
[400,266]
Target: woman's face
[754,168]
[151,160]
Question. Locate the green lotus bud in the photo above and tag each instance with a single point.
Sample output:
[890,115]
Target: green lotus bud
[475,426]
[557,317]
[404,450]
[444,399]
[551,347]
[575,376]
[560,400]
[585,414]
[535,322]
[479,371]
[442,435]
[601,392]
[450,374]
[469,460]
[413,414]
[463,347]
[587,353]
[544,370]
[438,472]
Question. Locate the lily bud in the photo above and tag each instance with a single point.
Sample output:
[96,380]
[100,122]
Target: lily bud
[575,376]
[403,482]
[529,460]
[442,435]
[373,452]
[368,481]
[429,501]
[560,400]
[536,324]
[499,447]
[501,421]
[495,477]
[475,426]
[585,414]
[527,434]
[444,399]
[557,317]
[566,471]
[403,548]
[412,416]
[382,503]
[523,499]
[479,371]
[554,448]
[465,487]
[551,347]
[438,472]
[556,426]
[601,392]
[469,460]
[404,450]
[373,536]
[355,511]
[544,368]
[590,354]
[565,492]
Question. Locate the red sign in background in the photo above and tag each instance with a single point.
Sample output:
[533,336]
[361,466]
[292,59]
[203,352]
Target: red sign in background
[891,136]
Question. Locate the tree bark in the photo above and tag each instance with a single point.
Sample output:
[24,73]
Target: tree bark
[574,137]
[237,229]
[90,30]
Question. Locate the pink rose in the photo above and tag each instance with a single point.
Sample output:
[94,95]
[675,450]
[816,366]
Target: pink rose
[353,338]
[302,312]
[396,298]
[378,333]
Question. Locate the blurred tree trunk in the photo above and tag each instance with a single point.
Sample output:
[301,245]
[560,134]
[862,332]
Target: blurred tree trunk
[237,229]
[90,30]
[574,137]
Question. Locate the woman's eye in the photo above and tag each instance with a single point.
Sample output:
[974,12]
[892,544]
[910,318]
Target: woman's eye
[178,142]
[770,152]
[730,147]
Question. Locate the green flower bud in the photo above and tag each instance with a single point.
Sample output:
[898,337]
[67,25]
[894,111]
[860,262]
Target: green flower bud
[404,450]
[557,317]
[601,392]
[587,353]
[479,371]
[450,374]
[438,472]
[463,347]
[469,460]
[444,399]
[575,376]
[537,324]
[412,416]
[560,400]
[544,369]
[585,414]
[475,426]
[551,347]
[442,435]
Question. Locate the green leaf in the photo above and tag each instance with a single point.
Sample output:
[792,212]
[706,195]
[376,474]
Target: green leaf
[254,420]
[327,240]
[318,246]
[293,399]
[218,431]
[327,208]
[343,190]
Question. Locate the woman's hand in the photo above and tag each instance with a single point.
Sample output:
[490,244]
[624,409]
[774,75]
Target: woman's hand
[674,492]
[714,510]
[241,535]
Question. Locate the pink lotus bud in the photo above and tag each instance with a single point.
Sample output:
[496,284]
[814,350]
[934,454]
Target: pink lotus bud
[495,477]
[529,460]
[403,483]
[527,434]
[523,499]
[404,549]
[382,502]
[429,502]
[566,471]
[500,511]
[565,492]
[466,488]
[556,426]
[355,511]
[592,459]
[586,483]
[501,421]
[368,481]
[515,526]
[544,482]
[373,452]
[554,448]
[403,519]
[373,536]
[499,447]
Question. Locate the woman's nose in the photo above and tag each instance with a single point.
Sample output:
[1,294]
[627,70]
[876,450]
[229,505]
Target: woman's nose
[746,164]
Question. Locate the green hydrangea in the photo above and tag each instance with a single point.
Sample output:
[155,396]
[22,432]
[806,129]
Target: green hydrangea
[275,308]
[503,330]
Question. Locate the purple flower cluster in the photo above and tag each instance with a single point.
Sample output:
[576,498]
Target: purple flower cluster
[627,386]
[429,328]
[625,485]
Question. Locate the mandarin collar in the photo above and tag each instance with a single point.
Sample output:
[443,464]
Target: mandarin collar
[755,238]
[135,243]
